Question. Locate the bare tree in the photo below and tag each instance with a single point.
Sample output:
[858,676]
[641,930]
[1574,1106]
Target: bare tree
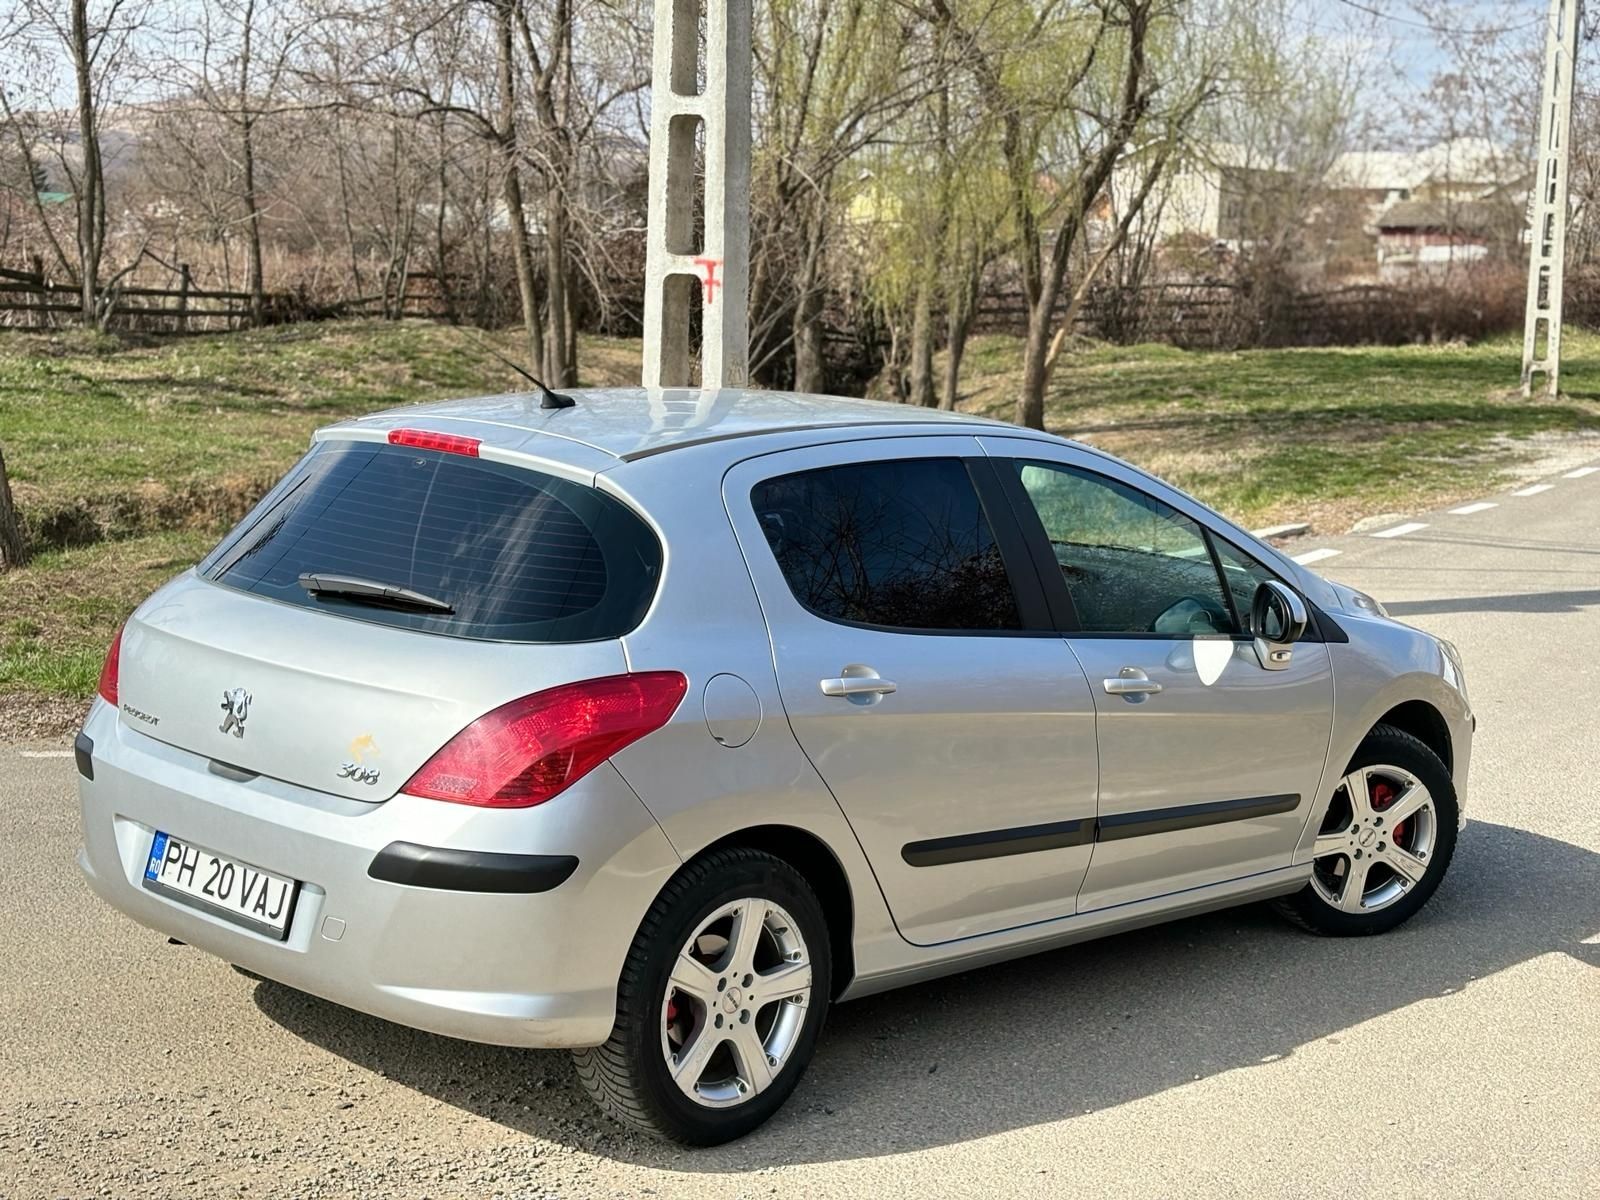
[831,78]
[12,551]
[1106,41]
[96,40]
[28,78]
[938,213]
[532,81]
[229,67]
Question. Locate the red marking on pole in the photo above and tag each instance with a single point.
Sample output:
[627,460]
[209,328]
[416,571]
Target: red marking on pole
[712,282]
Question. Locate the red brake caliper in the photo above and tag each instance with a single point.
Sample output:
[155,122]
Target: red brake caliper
[1383,795]
[672,1017]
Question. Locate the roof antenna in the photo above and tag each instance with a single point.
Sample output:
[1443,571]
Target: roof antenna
[547,398]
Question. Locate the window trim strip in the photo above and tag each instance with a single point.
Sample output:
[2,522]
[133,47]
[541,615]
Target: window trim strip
[1033,601]
[1026,520]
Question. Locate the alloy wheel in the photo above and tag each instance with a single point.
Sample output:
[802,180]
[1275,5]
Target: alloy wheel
[1376,841]
[735,1003]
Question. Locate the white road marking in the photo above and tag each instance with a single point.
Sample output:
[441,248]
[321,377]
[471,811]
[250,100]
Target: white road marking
[1272,531]
[1401,530]
[45,753]
[1534,490]
[1316,556]
[1466,510]
[1581,473]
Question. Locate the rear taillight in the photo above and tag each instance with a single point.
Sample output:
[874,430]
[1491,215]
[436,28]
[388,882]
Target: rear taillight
[424,439]
[108,673]
[531,750]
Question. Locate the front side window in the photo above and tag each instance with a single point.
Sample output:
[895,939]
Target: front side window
[1132,564]
[1243,575]
[900,545]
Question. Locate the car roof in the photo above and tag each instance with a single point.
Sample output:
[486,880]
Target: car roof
[634,423]
[627,424]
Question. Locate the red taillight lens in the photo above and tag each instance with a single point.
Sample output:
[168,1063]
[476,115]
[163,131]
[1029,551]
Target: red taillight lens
[422,439]
[109,672]
[531,750]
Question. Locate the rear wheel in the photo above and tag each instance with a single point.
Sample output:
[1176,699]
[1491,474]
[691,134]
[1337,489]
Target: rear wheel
[719,1005]
[1385,842]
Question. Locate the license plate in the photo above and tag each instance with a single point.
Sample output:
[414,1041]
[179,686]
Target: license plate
[213,883]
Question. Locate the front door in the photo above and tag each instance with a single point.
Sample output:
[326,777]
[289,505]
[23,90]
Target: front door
[922,676]
[1209,763]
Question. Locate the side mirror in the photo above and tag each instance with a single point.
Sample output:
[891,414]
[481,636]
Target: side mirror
[1278,620]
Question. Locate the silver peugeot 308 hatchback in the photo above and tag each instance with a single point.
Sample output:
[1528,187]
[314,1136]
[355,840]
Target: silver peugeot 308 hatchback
[652,726]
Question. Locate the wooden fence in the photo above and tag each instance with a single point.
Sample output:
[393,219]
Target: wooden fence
[32,300]
[1225,316]
[1192,315]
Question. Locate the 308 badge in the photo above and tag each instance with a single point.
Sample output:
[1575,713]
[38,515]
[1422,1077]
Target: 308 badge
[356,768]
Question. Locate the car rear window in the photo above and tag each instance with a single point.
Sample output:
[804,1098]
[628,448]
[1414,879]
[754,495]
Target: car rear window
[518,554]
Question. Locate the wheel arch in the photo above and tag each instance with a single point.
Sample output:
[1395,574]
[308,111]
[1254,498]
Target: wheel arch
[812,857]
[1427,724]
[1418,703]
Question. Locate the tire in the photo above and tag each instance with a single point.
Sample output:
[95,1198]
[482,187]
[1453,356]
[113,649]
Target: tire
[631,1076]
[1321,909]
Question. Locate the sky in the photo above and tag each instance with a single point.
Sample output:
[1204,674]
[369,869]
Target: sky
[1406,52]
[1406,43]
[1418,51]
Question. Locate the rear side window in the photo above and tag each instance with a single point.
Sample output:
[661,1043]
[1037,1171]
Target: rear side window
[902,545]
[518,555]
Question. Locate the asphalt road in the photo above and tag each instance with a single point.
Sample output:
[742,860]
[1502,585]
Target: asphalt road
[1222,1056]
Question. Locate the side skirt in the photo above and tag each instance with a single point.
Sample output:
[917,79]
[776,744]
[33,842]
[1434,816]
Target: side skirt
[951,958]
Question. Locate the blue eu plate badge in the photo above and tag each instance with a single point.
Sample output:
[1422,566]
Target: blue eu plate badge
[158,851]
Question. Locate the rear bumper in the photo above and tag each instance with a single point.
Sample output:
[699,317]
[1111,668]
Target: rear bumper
[505,927]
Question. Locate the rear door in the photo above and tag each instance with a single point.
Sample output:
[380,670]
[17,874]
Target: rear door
[1209,764]
[920,674]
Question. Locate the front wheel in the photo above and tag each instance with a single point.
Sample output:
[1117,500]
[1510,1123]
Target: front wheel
[1385,842]
[719,1004]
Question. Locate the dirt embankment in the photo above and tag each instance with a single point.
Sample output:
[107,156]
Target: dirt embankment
[149,506]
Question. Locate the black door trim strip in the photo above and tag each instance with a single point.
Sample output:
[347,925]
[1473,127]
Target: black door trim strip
[1118,826]
[998,843]
[1002,843]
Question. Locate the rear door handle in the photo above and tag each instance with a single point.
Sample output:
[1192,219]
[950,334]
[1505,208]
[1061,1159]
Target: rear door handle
[1131,682]
[865,685]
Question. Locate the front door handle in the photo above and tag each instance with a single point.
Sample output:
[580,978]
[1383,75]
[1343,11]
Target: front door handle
[858,685]
[1131,682]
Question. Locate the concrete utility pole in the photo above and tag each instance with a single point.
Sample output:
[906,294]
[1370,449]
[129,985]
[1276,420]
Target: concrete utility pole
[1541,344]
[701,81]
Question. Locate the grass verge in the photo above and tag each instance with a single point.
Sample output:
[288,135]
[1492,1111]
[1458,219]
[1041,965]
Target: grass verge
[1326,435]
[105,439]
[62,609]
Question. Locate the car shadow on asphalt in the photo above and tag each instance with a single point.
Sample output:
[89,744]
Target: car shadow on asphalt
[1045,1038]
[1520,602]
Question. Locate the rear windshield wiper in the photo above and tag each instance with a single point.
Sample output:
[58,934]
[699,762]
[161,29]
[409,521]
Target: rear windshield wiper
[371,591]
